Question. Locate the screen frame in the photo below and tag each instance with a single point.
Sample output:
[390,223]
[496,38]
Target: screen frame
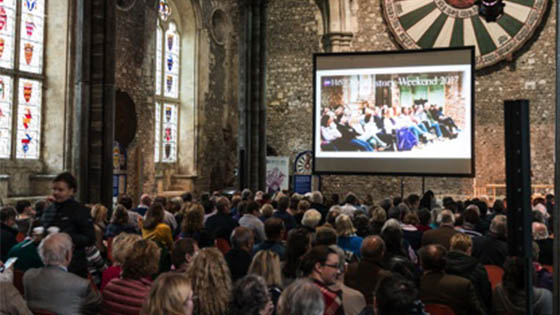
[397,52]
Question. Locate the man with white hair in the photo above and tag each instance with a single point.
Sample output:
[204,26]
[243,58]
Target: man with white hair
[317,204]
[53,288]
[546,244]
[492,249]
[443,233]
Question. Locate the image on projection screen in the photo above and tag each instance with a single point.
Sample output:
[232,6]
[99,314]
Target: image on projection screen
[392,115]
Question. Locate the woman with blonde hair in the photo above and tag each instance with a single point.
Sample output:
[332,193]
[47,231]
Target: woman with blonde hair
[266,264]
[171,294]
[211,282]
[121,245]
[347,238]
[193,221]
[99,216]
[266,211]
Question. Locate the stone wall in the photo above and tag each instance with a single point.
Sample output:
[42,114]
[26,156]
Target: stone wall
[294,34]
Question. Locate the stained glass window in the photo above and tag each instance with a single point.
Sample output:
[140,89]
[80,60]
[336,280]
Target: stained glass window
[21,90]
[167,86]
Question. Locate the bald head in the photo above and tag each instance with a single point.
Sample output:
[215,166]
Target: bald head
[540,232]
[56,249]
[432,257]
[373,248]
[146,200]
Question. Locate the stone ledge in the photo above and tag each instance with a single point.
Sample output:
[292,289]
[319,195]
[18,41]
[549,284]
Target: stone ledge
[4,177]
[183,176]
[13,200]
[42,176]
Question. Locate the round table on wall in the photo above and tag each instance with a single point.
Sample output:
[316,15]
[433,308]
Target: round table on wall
[428,24]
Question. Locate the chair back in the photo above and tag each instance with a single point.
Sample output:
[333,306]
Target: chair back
[18,280]
[439,309]
[42,312]
[223,245]
[110,249]
[495,274]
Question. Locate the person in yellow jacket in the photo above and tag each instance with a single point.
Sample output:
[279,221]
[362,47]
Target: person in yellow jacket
[154,229]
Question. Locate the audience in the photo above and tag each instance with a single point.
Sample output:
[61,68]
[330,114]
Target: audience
[126,295]
[317,204]
[443,233]
[11,301]
[438,287]
[543,278]
[546,244]
[183,253]
[27,251]
[326,235]
[211,282]
[267,265]
[299,243]
[238,257]
[121,244]
[347,238]
[145,203]
[250,220]
[353,301]
[8,231]
[302,297]
[154,229]
[492,249]
[99,216]
[25,217]
[282,213]
[311,219]
[274,230]
[398,296]
[133,217]
[171,294]
[119,223]
[54,289]
[250,297]
[221,224]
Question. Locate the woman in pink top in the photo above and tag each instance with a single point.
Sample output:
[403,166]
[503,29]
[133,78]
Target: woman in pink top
[120,245]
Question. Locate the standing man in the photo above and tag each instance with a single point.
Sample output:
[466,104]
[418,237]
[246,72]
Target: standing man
[68,216]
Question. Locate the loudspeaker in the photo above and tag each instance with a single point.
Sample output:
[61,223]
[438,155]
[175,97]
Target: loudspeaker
[518,177]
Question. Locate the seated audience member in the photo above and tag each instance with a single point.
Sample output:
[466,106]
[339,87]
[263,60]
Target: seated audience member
[238,257]
[397,295]
[221,224]
[25,217]
[99,216]
[302,205]
[52,288]
[267,210]
[353,301]
[119,223]
[168,217]
[274,230]
[443,233]
[396,248]
[410,232]
[311,219]
[126,295]
[11,301]
[267,265]
[8,231]
[282,213]
[40,207]
[492,249]
[171,293]
[122,244]
[211,282]
[471,218]
[347,238]
[509,296]
[145,203]
[378,218]
[302,297]
[425,217]
[361,223]
[250,297]
[154,229]
[183,253]
[321,265]
[325,235]
[460,263]
[366,274]
[133,217]
[193,222]
[437,287]
[251,221]
[27,251]
[546,244]
[317,204]
[542,277]
[299,243]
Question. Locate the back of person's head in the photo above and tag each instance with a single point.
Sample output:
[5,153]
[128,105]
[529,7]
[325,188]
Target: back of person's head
[433,257]
[142,260]
[446,217]
[373,248]
[56,249]
[250,296]
[411,218]
[498,225]
[471,214]
[121,245]
[344,225]
[241,238]
[294,200]
[7,213]
[413,200]
[394,213]
[247,194]
[68,178]
[361,224]
[378,214]
[396,295]
[267,210]
[171,293]
[482,207]
[424,216]
[223,205]
[252,208]
[325,236]
[334,212]
[193,221]
[211,281]
[316,197]
[513,279]
[187,197]
[183,248]
[120,215]
[99,213]
[540,232]
[21,205]
[283,203]
[146,200]
[303,205]
[273,228]
[350,198]
[266,264]
[397,200]
[126,201]
[154,216]
[498,206]
[299,242]
[461,242]
[161,200]
[386,204]
[311,218]
[175,204]
[302,297]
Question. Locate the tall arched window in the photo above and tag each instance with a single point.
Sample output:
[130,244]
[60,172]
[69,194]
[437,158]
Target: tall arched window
[21,77]
[167,85]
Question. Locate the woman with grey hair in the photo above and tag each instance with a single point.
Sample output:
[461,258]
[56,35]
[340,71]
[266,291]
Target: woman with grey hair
[302,297]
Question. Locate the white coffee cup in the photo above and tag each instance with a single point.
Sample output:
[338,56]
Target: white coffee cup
[53,229]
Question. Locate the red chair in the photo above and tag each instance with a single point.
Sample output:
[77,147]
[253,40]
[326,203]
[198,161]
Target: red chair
[495,274]
[549,268]
[110,248]
[18,280]
[439,309]
[223,245]
[42,312]
[20,237]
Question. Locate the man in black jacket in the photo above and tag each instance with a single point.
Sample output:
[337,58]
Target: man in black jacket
[8,231]
[460,263]
[492,249]
[69,216]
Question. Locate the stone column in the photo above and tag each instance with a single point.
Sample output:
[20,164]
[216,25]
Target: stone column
[338,26]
